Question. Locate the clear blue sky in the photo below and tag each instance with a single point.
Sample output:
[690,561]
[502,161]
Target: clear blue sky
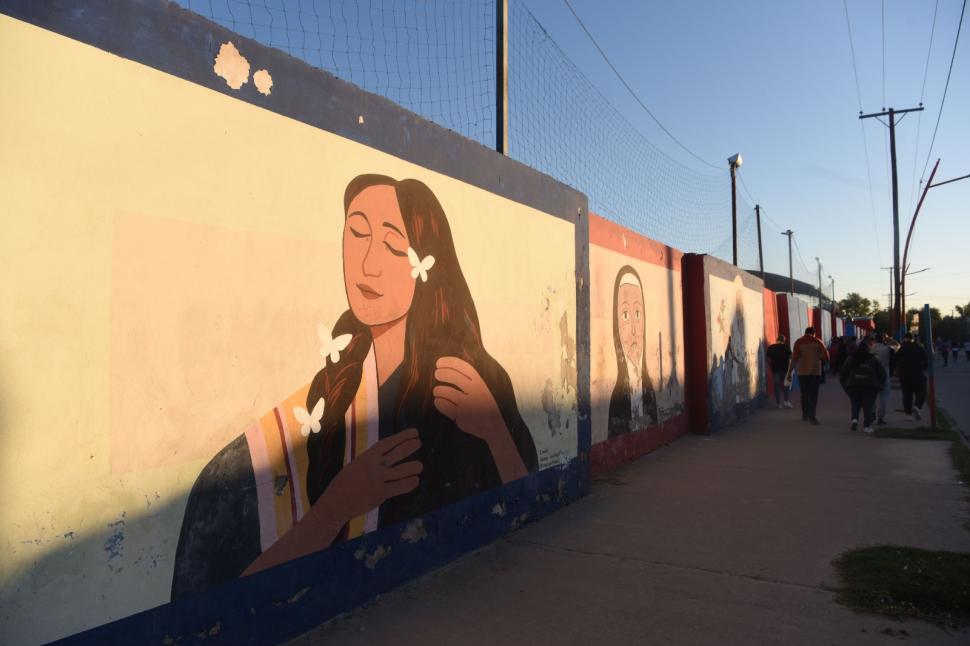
[774,81]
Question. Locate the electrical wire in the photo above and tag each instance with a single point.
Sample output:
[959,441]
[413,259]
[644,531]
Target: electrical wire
[862,128]
[634,94]
[946,87]
[919,117]
[883,20]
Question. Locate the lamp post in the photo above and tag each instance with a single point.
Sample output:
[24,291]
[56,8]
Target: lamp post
[734,163]
[833,293]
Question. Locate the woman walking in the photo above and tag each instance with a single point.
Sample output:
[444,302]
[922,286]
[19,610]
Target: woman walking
[863,377]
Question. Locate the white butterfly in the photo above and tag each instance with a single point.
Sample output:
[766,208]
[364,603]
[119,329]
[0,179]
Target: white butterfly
[310,421]
[329,346]
[420,266]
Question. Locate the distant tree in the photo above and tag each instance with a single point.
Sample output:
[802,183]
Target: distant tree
[964,310]
[855,306]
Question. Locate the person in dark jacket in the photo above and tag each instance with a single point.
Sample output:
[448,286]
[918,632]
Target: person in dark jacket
[862,377]
[778,355]
[911,364]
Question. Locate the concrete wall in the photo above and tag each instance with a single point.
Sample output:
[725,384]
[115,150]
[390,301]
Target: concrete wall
[724,322]
[219,336]
[636,344]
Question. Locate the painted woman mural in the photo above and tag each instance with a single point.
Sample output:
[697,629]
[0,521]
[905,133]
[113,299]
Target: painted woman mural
[409,412]
[633,405]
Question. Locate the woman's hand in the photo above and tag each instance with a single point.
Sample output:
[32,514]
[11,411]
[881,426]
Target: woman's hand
[371,478]
[463,396]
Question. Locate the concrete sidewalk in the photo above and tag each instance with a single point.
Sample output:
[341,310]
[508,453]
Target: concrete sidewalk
[721,540]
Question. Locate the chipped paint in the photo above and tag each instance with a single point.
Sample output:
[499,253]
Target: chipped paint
[372,560]
[263,81]
[232,66]
[114,544]
[499,510]
[414,532]
[296,596]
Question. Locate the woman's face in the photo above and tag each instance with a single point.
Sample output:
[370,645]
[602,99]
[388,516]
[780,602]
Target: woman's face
[629,312]
[377,274]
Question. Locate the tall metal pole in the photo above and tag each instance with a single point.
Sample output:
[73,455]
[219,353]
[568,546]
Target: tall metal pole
[761,253]
[502,76]
[891,294]
[926,326]
[734,214]
[791,273]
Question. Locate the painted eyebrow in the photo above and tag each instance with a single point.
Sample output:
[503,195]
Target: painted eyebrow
[391,226]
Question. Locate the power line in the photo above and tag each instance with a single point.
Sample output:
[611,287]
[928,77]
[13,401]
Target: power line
[945,88]
[862,128]
[922,93]
[883,4]
[632,93]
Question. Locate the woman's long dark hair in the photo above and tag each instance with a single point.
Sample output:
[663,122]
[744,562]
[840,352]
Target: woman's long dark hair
[647,395]
[442,320]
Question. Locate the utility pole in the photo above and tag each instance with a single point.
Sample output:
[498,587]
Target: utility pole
[891,113]
[819,287]
[734,162]
[791,274]
[502,76]
[892,293]
[761,253]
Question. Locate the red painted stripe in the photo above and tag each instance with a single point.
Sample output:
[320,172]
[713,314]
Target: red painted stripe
[286,461]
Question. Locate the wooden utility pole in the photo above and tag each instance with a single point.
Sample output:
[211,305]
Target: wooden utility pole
[897,277]
[502,76]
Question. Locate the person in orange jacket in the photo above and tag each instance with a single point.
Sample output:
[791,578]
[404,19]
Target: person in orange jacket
[808,356]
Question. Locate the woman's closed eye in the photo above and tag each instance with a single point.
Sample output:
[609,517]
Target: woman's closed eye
[396,252]
[359,234]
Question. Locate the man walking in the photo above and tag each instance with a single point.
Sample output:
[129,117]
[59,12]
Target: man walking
[911,363]
[882,348]
[779,354]
[807,357]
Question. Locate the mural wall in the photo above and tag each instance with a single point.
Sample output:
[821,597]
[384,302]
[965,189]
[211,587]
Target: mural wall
[236,339]
[797,316]
[724,312]
[636,344]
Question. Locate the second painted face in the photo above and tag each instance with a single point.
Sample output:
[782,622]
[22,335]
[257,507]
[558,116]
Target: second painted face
[377,273]
[629,311]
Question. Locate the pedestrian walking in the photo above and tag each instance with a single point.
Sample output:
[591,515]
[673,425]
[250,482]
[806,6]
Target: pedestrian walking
[807,358]
[779,355]
[966,350]
[862,377]
[911,364]
[945,351]
[883,347]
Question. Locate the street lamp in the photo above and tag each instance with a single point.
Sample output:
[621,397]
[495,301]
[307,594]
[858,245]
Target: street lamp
[833,293]
[734,163]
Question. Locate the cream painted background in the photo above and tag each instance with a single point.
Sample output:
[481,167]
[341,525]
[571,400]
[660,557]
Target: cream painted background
[167,253]
[662,293]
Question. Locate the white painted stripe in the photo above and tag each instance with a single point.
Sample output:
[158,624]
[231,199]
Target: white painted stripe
[264,487]
[296,486]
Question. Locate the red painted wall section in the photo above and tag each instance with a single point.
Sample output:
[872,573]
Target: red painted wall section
[781,308]
[658,267]
[771,329]
[695,342]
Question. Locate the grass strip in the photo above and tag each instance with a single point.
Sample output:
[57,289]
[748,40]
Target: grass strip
[906,582]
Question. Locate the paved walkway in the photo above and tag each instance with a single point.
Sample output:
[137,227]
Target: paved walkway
[722,540]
